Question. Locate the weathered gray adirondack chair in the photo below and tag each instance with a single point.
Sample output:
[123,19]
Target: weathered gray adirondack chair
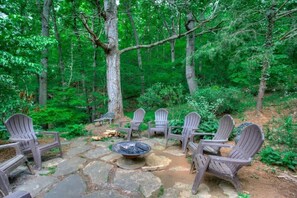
[191,124]
[134,123]
[160,125]
[108,116]
[21,130]
[8,166]
[226,168]
[225,128]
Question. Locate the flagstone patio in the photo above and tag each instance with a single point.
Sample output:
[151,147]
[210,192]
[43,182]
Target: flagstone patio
[89,169]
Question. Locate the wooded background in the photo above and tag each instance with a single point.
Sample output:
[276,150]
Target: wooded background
[72,60]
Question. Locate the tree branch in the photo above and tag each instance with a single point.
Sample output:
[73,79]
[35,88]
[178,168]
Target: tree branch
[286,13]
[167,39]
[289,34]
[94,37]
[212,29]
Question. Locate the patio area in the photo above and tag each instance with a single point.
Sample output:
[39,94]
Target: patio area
[90,169]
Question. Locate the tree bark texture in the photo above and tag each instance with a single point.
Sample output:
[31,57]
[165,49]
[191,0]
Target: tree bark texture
[44,59]
[270,15]
[190,50]
[139,59]
[114,92]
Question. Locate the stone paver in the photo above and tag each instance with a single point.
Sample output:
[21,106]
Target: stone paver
[98,152]
[52,162]
[112,157]
[37,184]
[181,190]
[106,194]
[71,187]
[77,150]
[69,166]
[145,182]
[97,171]
[92,164]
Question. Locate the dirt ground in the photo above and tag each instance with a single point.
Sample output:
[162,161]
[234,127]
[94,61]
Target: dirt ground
[258,180]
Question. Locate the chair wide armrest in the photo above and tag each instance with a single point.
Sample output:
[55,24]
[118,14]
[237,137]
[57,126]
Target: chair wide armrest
[230,160]
[215,144]
[55,134]
[215,141]
[122,122]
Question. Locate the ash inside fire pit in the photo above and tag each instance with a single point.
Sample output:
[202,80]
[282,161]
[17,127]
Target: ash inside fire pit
[131,149]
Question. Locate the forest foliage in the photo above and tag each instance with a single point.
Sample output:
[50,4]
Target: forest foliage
[229,53]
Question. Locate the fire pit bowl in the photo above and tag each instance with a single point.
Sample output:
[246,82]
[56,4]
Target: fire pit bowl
[131,149]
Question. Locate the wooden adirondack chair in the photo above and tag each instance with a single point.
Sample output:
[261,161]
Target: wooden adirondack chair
[21,130]
[8,166]
[191,124]
[108,116]
[225,128]
[160,125]
[134,124]
[226,168]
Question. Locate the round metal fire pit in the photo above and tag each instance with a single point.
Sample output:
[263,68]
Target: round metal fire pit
[131,149]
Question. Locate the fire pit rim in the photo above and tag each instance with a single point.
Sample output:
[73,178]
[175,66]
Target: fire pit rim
[128,154]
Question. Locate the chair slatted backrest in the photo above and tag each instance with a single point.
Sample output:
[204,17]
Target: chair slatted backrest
[225,128]
[191,122]
[248,145]
[161,116]
[138,117]
[20,126]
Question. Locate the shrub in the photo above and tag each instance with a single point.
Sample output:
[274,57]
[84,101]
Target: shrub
[72,131]
[275,157]
[63,109]
[282,134]
[221,99]
[160,95]
[207,111]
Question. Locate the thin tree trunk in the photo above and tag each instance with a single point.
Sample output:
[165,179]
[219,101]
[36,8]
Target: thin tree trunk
[44,59]
[82,66]
[270,15]
[114,92]
[190,62]
[60,52]
[94,87]
[138,50]
[172,50]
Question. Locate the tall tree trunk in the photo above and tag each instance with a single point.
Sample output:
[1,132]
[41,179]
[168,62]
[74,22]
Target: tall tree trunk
[44,59]
[270,15]
[114,92]
[94,87]
[138,50]
[190,50]
[60,52]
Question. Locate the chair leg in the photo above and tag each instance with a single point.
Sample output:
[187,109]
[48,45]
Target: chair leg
[29,168]
[192,167]
[200,172]
[61,152]
[37,158]
[236,183]
[129,134]
[4,184]
[166,143]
